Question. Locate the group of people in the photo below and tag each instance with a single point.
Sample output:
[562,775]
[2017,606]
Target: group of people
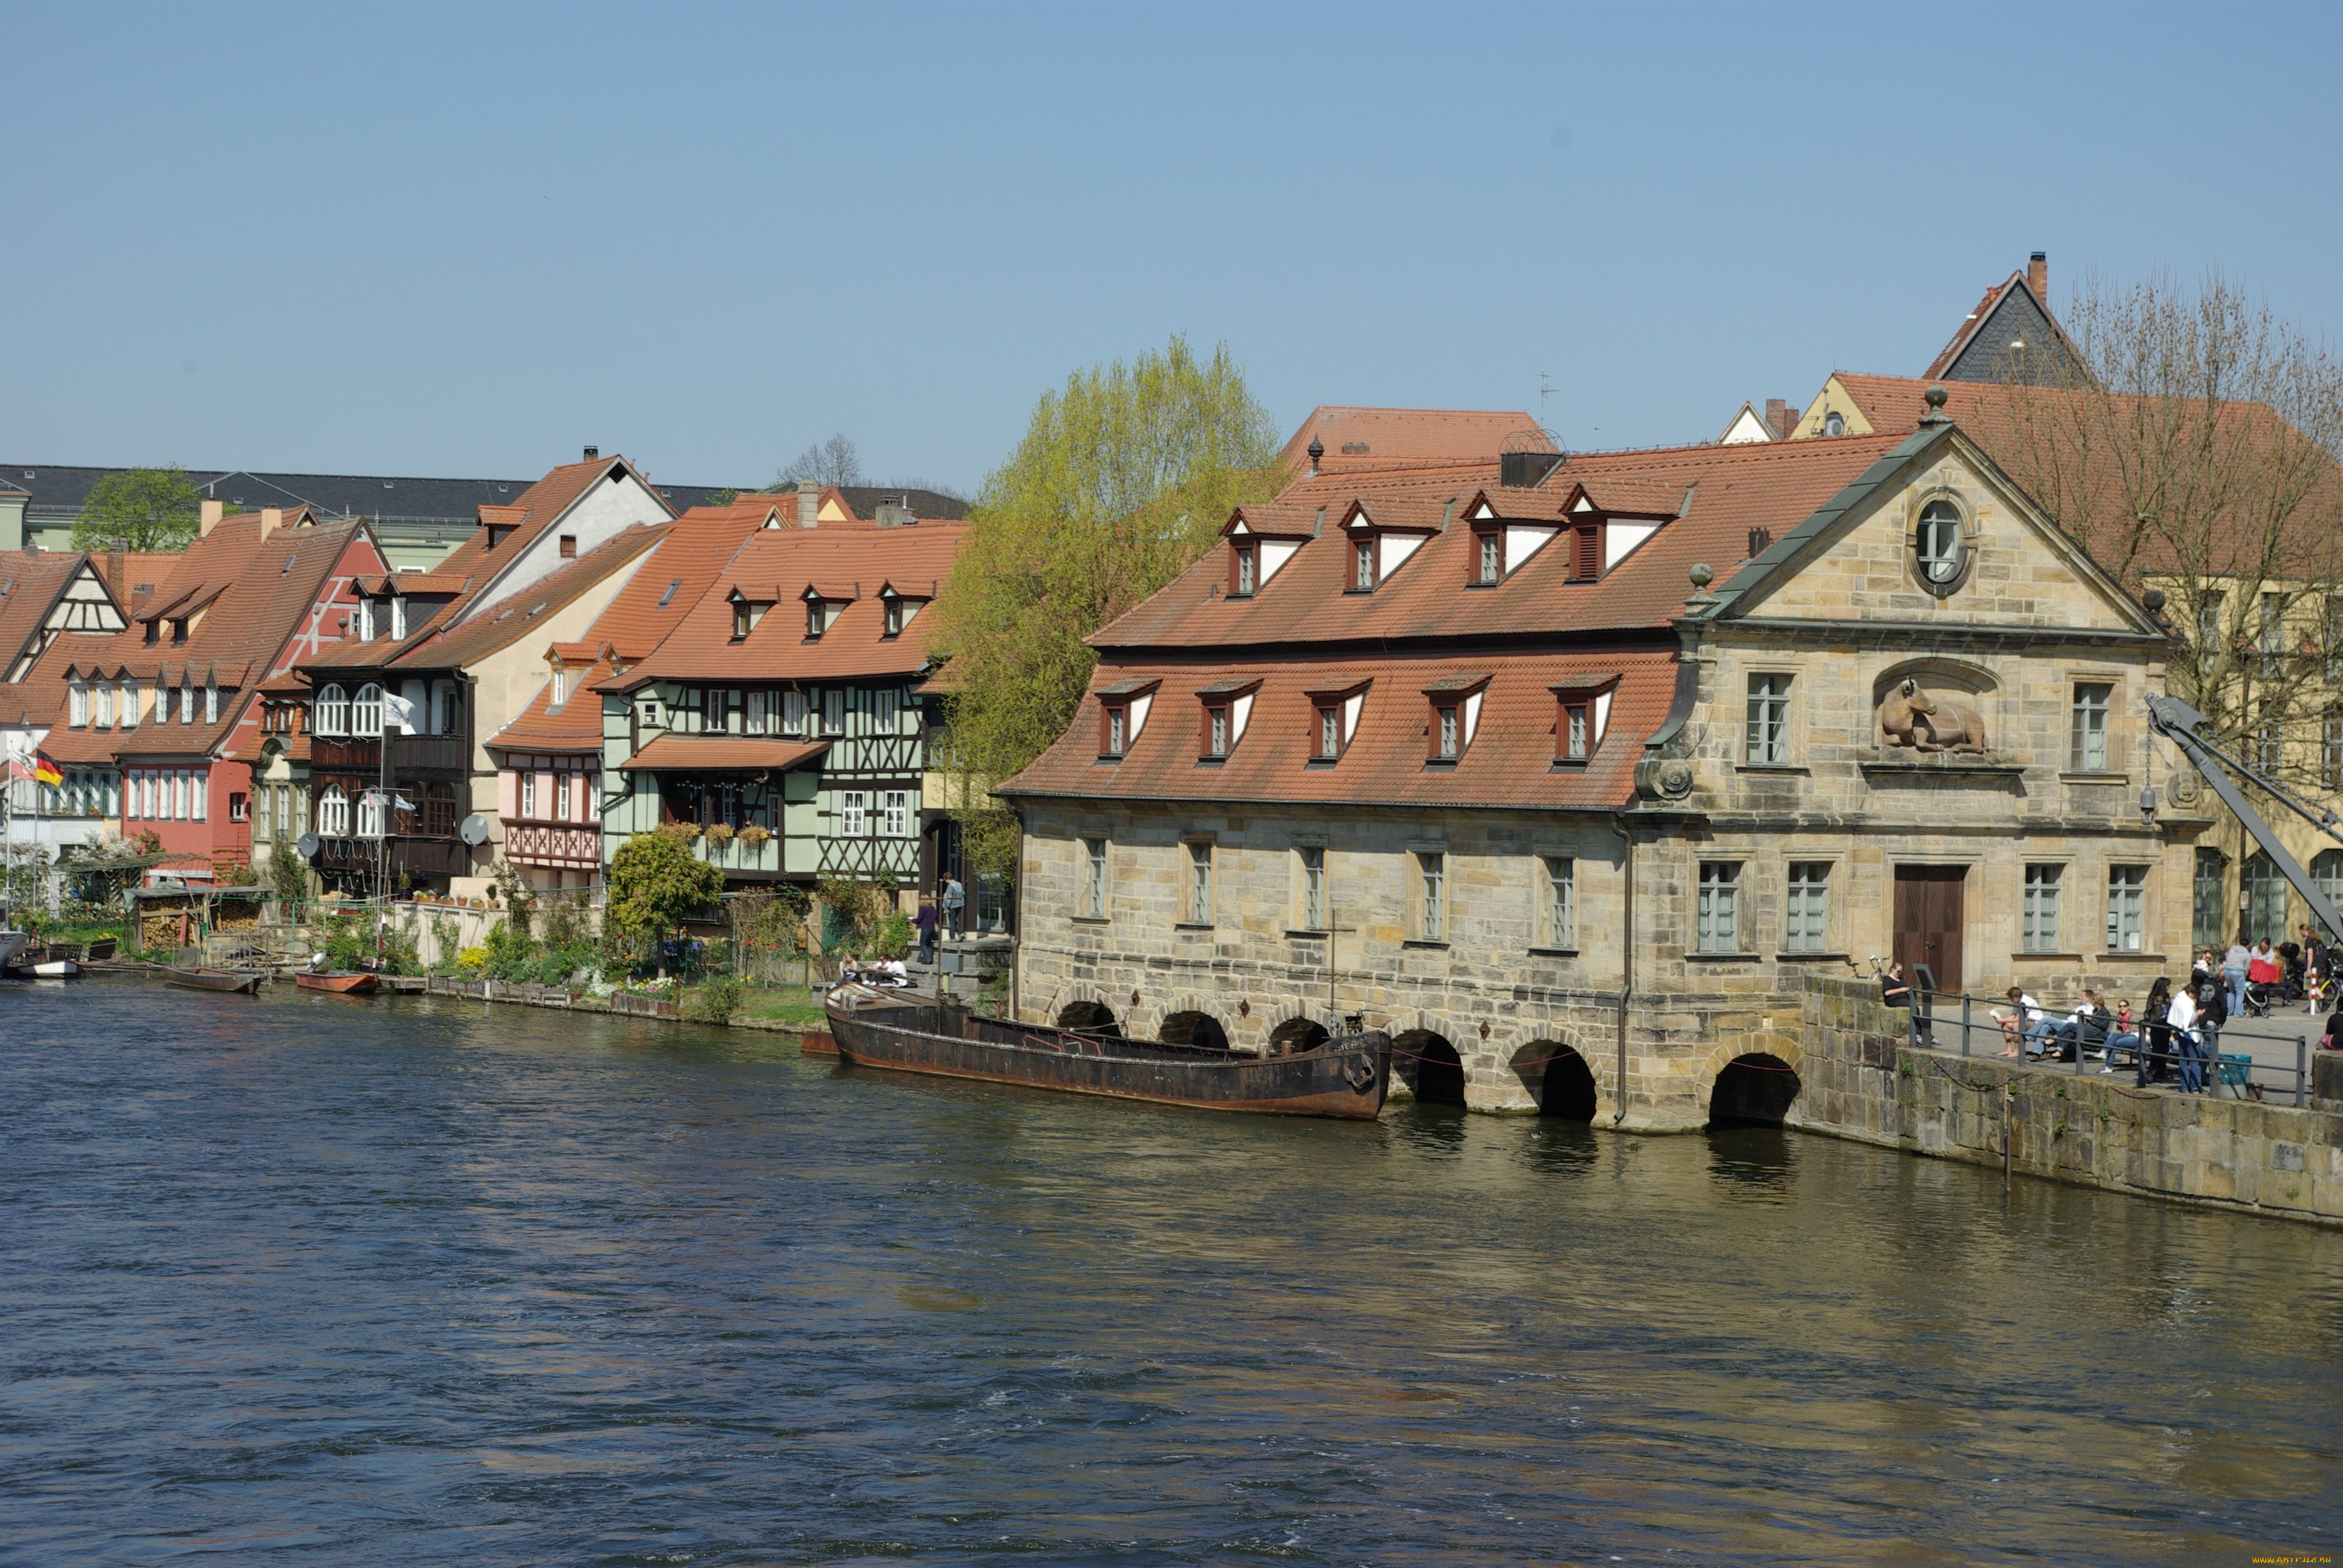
[2258,978]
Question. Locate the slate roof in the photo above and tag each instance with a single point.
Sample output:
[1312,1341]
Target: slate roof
[776,567]
[61,489]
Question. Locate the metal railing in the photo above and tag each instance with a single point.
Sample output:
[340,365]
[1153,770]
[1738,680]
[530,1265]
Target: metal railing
[2194,1063]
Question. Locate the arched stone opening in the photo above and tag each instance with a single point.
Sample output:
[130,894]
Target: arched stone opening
[1754,1091]
[1296,1035]
[1089,1017]
[1197,1028]
[1429,1065]
[1558,1078]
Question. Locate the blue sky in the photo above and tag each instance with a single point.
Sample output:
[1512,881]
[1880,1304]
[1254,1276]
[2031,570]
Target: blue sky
[465,240]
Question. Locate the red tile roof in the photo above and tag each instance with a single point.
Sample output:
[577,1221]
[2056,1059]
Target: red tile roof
[532,512]
[1723,491]
[724,754]
[776,567]
[30,585]
[1389,435]
[652,603]
[1510,761]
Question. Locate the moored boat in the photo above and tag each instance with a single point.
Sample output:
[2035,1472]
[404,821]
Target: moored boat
[341,982]
[1345,1076]
[216,979]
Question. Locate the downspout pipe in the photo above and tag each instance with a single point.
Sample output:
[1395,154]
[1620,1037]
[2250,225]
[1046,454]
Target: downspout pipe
[1626,964]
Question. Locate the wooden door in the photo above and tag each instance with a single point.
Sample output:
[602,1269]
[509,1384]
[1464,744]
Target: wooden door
[1928,921]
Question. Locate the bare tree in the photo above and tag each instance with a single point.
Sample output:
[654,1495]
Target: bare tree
[2196,453]
[831,462]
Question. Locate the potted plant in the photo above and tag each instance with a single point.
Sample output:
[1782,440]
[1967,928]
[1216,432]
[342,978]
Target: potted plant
[719,833]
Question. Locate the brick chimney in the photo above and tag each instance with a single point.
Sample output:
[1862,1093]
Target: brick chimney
[809,503]
[1780,417]
[118,569]
[2037,277]
[213,511]
[271,520]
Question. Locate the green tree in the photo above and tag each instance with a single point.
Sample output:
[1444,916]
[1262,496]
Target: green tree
[1121,481]
[154,508]
[655,883]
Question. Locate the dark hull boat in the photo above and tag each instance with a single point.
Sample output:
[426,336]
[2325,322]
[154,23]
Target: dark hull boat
[1345,1076]
[216,979]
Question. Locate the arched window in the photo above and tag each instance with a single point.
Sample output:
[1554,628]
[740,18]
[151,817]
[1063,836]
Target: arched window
[333,807]
[333,712]
[1937,545]
[366,710]
[369,814]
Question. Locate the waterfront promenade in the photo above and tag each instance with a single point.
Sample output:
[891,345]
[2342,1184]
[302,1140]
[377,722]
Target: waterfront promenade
[418,1280]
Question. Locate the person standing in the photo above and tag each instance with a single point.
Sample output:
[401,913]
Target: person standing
[2314,968]
[2233,976]
[955,900]
[2183,1022]
[2156,1043]
[925,921]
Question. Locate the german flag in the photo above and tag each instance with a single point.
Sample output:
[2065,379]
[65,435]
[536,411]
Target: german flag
[45,771]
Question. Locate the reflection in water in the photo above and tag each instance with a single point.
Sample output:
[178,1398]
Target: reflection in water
[411,1282]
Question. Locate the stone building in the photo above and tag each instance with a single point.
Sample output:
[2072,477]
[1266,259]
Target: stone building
[1568,769]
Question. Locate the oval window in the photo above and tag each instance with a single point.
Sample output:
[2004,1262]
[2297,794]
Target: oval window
[1940,547]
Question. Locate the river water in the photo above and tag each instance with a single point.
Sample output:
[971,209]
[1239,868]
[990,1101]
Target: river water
[312,1280]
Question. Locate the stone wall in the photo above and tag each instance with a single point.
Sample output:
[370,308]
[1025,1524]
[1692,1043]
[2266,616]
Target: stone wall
[1859,1079]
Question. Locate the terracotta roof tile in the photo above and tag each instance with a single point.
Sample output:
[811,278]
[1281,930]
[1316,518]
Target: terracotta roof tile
[1388,433]
[30,585]
[1509,762]
[724,754]
[777,565]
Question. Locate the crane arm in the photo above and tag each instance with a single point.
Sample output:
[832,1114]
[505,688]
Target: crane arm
[2177,722]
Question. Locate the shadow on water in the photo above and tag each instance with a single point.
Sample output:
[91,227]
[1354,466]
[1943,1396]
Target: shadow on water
[1762,1158]
[1428,1129]
[1553,1147]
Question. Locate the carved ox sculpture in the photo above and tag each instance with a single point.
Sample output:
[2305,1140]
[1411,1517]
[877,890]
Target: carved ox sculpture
[1910,717]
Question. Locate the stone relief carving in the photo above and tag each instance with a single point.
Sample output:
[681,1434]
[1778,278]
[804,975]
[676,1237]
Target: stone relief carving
[1925,722]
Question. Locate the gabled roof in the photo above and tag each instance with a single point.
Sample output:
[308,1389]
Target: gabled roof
[31,583]
[531,514]
[1721,493]
[2013,298]
[651,604]
[1386,436]
[780,566]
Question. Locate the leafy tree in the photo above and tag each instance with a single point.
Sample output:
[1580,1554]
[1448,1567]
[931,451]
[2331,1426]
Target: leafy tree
[831,462]
[154,508]
[655,883]
[1121,481]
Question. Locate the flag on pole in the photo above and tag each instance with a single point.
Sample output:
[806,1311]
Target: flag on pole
[45,771]
[401,712]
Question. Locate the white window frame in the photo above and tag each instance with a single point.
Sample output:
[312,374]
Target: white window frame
[1431,895]
[853,814]
[333,813]
[833,711]
[77,705]
[211,702]
[2127,908]
[366,712]
[1716,915]
[2088,740]
[793,712]
[333,711]
[527,794]
[1768,740]
[1561,921]
[129,704]
[895,813]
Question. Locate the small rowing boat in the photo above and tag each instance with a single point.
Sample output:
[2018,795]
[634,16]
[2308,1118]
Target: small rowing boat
[339,983]
[246,980]
[1344,1077]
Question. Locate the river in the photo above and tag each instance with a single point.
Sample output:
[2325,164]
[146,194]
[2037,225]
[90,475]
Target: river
[313,1279]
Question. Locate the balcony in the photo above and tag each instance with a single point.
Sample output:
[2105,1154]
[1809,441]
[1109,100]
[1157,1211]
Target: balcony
[748,859]
[411,754]
[412,853]
[553,844]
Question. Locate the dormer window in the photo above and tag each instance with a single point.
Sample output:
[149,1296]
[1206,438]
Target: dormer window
[1363,565]
[1490,546]
[1582,714]
[817,619]
[179,629]
[1587,553]
[366,619]
[1456,717]
[1227,706]
[569,547]
[497,535]
[1122,714]
[899,612]
[747,613]
[1334,722]
[397,619]
[561,686]
[1244,584]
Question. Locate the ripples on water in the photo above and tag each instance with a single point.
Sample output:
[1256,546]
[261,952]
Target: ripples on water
[315,1280]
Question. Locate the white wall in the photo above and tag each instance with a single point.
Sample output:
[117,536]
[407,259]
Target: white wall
[599,516]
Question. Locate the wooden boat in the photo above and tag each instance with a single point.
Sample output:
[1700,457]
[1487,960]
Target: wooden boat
[246,980]
[1345,1076]
[341,982]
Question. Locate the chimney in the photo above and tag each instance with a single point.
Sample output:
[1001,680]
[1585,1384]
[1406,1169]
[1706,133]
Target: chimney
[592,453]
[117,568]
[1778,418]
[809,503]
[213,511]
[895,514]
[271,520]
[2037,277]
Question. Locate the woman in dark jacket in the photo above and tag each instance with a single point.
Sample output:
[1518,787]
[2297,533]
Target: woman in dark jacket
[1894,988]
[2156,1060]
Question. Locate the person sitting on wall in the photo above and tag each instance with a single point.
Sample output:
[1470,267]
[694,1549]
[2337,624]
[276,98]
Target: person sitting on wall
[1894,988]
[2123,1034]
[2015,1024]
[2333,1038]
[2068,1033]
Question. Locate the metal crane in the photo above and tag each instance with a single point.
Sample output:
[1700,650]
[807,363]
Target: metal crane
[2178,723]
